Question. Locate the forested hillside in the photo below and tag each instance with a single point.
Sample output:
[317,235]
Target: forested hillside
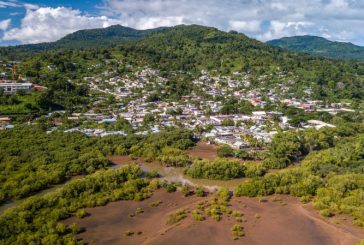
[92,38]
[319,46]
[184,51]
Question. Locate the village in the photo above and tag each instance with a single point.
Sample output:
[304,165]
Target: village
[201,111]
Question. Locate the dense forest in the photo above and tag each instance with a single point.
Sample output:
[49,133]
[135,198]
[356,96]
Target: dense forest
[32,160]
[92,38]
[319,46]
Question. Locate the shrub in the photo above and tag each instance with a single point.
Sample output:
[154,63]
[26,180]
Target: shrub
[81,213]
[155,204]
[170,187]
[199,191]
[197,215]
[186,190]
[326,213]
[237,231]
[176,217]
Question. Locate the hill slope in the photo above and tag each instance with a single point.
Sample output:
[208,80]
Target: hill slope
[101,37]
[320,47]
[192,48]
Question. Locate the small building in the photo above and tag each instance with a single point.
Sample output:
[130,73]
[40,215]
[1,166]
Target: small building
[12,88]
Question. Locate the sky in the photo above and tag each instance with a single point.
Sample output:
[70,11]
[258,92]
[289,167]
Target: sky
[34,21]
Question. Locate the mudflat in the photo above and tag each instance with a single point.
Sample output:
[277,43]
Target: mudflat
[278,220]
[204,150]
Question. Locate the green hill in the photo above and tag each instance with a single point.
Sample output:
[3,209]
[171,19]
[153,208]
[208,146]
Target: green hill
[181,52]
[319,46]
[101,37]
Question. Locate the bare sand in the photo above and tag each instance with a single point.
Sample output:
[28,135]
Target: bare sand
[204,150]
[273,222]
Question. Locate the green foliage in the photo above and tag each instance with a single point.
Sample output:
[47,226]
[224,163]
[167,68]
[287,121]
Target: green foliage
[219,169]
[225,151]
[186,190]
[199,191]
[254,170]
[319,46]
[233,106]
[170,187]
[237,231]
[32,160]
[331,175]
[155,204]
[286,148]
[197,216]
[81,213]
[37,219]
[176,217]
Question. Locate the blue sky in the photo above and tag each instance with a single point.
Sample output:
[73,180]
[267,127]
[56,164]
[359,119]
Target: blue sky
[35,21]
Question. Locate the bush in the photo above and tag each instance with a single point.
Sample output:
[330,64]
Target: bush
[200,191]
[170,187]
[81,213]
[197,215]
[225,151]
[237,231]
[326,213]
[155,204]
[186,190]
[176,217]
[219,169]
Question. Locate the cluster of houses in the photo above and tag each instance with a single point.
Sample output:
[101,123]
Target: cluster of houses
[201,111]
[198,110]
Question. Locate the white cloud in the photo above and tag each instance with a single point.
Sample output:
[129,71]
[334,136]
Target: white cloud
[5,4]
[281,17]
[50,24]
[4,24]
[245,26]
[261,19]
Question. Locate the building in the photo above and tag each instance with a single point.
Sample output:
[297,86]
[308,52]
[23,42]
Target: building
[12,88]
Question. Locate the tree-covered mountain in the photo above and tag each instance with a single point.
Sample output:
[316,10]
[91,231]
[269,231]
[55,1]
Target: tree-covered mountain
[319,46]
[101,37]
[182,52]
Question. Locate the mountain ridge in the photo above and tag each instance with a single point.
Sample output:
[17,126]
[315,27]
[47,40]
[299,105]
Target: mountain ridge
[87,38]
[319,46]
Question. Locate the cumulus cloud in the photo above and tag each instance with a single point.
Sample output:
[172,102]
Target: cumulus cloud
[262,19]
[50,24]
[4,24]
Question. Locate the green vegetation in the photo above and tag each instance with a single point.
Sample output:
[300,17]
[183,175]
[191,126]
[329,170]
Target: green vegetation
[155,204]
[199,191]
[37,219]
[92,38]
[197,216]
[188,49]
[331,172]
[186,190]
[219,169]
[176,217]
[81,213]
[319,46]
[32,160]
[237,231]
